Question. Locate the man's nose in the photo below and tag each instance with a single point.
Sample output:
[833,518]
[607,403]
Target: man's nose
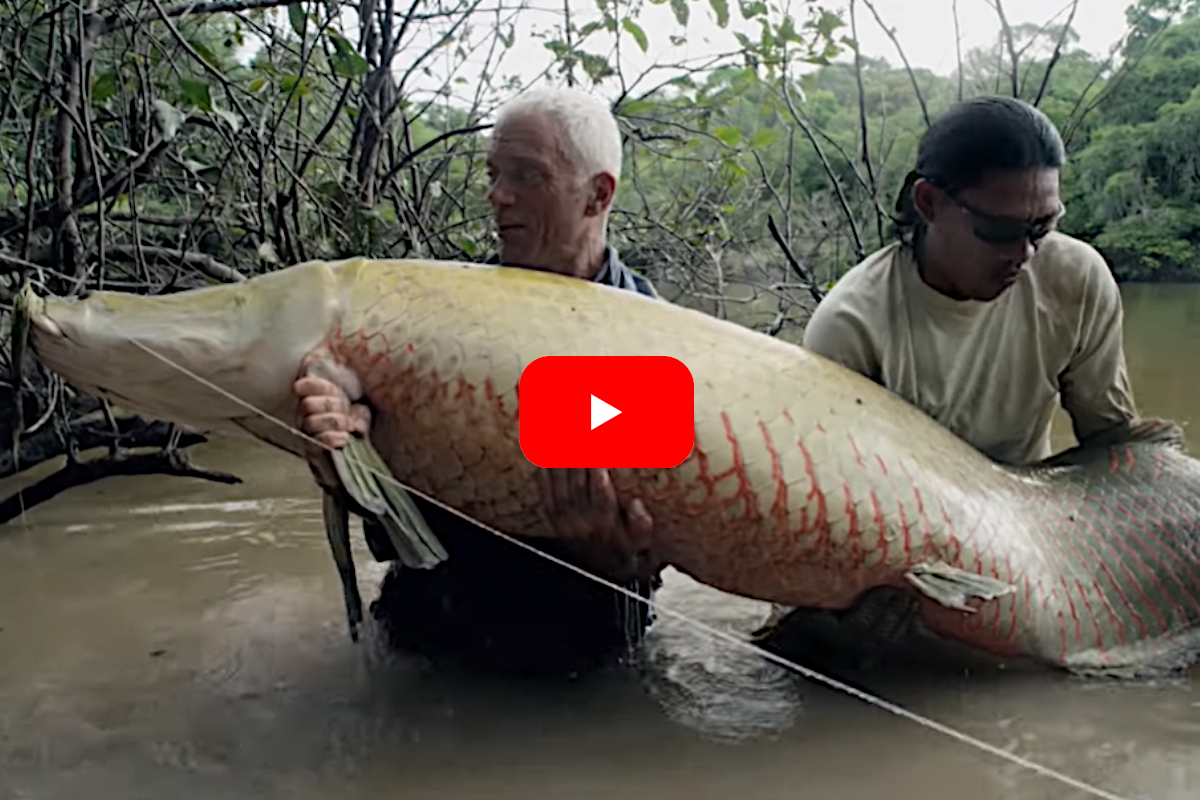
[1021,251]
[500,195]
[1028,249]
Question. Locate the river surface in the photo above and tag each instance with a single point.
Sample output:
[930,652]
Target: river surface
[167,638]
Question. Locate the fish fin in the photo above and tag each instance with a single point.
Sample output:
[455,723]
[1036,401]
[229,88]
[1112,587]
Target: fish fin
[952,587]
[1160,431]
[1151,430]
[365,476]
[337,529]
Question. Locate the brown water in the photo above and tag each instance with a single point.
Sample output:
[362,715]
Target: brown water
[162,638]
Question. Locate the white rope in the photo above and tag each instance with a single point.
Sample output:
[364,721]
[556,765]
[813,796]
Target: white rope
[870,699]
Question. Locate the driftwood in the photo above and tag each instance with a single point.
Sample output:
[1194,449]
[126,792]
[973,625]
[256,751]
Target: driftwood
[78,473]
[86,434]
[127,439]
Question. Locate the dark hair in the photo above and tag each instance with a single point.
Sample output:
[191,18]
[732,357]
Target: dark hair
[971,139]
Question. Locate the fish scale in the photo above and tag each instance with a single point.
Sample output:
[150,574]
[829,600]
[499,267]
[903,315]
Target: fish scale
[808,484]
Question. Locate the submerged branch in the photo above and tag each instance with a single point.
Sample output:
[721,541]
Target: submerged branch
[79,473]
[86,434]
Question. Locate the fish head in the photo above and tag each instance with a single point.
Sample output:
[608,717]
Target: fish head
[206,359]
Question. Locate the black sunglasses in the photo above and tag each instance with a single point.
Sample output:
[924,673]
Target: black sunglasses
[1005,230]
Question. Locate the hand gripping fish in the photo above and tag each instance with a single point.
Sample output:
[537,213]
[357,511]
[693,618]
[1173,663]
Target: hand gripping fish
[808,485]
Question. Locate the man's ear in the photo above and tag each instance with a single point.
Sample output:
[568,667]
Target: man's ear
[925,199]
[604,188]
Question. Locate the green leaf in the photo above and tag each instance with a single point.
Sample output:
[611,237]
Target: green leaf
[257,84]
[595,66]
[721,9]
[296,17]
[681,11]
[294,83]
[104,87]
[828,23]
[205,53]
[730,168]
[637,107]
[386,212]
[728,135]
[197,93]
[347,63]
[635,30]
[764,137]
[753,9]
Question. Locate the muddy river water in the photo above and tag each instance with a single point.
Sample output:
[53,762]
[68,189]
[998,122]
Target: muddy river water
[162,638]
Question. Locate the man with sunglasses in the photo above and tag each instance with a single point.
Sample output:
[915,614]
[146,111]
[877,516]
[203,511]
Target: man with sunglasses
[982,314]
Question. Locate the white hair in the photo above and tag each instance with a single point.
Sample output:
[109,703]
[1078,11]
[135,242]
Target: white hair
[587,122]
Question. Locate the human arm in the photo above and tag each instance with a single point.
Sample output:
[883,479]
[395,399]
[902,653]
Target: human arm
[1095,387]
[581,505]
[836,332]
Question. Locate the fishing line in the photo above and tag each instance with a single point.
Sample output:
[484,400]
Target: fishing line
[866,697]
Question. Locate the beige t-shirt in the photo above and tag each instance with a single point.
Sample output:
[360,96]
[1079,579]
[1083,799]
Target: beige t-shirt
[992,372]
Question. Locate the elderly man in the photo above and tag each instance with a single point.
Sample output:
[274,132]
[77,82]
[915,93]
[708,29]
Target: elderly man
[554,166]
[982,314]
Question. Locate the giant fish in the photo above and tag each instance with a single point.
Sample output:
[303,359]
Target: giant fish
[808,485]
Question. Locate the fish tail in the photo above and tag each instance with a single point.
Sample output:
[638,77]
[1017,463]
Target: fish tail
[1139,533]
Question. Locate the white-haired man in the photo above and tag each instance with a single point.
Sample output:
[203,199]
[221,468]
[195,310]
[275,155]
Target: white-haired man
[554,167]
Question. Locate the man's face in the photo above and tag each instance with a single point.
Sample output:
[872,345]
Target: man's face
[989,232]
[543,204]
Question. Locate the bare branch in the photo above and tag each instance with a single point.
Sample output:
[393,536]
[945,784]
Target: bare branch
[198,261]
[957,47]
[79,473]
[805,276]
[121,19]
[1007,33]
[1054,57]
[891,34]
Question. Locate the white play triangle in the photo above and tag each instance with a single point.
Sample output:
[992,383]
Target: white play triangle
[602,412]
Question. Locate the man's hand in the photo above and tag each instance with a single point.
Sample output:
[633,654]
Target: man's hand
[582,506]
[329,416]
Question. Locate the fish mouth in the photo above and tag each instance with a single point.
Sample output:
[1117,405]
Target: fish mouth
[46,325]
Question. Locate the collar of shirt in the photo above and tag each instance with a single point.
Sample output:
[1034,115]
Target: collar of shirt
[613,273]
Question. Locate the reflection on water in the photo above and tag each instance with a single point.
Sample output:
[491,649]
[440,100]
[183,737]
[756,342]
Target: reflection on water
[170,638]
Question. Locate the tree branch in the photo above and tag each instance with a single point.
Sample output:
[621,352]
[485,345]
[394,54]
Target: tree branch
[199,261]
[891,34]
[799,268]
[131,433]
[78,473]
[1007,33]
[117,21]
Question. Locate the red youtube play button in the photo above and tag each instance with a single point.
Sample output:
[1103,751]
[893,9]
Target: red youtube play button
[606,411]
